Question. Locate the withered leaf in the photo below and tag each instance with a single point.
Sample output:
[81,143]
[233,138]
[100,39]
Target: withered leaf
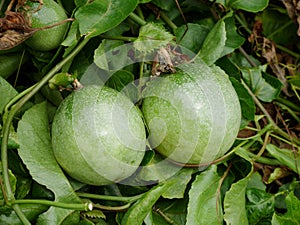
[14,29]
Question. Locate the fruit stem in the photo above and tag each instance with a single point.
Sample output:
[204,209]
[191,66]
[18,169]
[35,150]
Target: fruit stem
[81,207]
[8,118]
[110,198]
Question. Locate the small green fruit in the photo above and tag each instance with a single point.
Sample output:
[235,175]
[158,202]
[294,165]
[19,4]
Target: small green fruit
[194,115]
[48,14]
[98,136]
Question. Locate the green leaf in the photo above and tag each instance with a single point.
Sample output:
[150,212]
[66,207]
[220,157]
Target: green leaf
[265,87]
[151,37]
[7,93]
[31,211]
[233,39]
[99,16]
[248,5]
[169,212]
[235,202]
[193,38]
[36,152]
[259,206]
[73,35]
[111,55]
[9,63]
[246,101]
[295,80]
[120,79]
[281,31]
[138,212]
[165,5]
[214,43]
[204,203]
[292,217]
[177,190]
[256,182]
[286,156]
[158,169]
[230,68]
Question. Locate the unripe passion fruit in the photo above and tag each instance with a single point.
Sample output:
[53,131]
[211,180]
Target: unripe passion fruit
[48,14]
[98,136]
[193,116]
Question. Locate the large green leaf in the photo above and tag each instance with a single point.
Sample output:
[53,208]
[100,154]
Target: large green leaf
[248,5]
[36,152]
[204,207]
[194,37]
[99,16]
[283,31]
[292,217]
[235,202]
[214,43]
[7,93]
[259,205]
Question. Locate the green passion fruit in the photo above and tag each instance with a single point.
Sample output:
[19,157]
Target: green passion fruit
[193,116]
[48,14]
[98,135]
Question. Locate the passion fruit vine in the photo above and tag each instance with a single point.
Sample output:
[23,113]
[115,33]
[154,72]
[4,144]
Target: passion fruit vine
[98,136]
[194,115]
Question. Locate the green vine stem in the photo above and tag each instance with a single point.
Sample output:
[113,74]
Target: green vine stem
[16,98]
[169,22]
[291,112]
[110,198]
[263,160]
[9,115]
[112,208]
[263,148]
[276,129]
[81,207]
[139,11]
[288,103]
[137,19]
